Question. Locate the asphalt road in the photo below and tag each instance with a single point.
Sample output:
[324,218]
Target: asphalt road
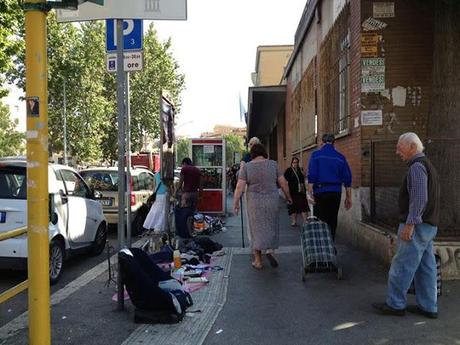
[74,267]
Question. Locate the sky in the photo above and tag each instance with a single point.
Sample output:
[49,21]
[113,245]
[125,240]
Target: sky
[216,49]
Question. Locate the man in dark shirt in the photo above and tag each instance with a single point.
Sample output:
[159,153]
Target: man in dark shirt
[419,217]
[190,183]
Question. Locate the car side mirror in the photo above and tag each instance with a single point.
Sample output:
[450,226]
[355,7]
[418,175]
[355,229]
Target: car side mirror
[64,197]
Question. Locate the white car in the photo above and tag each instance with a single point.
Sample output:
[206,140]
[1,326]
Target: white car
[76,218]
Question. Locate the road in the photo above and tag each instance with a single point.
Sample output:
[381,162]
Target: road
[74,267]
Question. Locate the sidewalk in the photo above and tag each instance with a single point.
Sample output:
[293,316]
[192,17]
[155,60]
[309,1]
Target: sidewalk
[244,306]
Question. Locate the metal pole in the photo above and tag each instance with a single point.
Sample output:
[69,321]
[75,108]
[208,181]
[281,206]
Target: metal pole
[121,155]
[128,163]
[242,225]
[37,173]
[65,126]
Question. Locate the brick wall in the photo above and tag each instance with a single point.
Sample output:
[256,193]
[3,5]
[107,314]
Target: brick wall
[407,47]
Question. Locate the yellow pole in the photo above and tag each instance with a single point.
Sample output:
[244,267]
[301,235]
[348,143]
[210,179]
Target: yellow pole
[37,172]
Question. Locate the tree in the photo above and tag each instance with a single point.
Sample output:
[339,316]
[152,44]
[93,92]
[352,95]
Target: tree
[76,58]
[161,72]
[11,141]
[234,144]
[182,148]
[11,44]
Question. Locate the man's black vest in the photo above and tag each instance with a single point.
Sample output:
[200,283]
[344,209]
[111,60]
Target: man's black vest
[431,212]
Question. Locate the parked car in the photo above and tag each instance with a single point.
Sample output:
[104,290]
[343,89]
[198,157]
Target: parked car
[76,218]
[105,181]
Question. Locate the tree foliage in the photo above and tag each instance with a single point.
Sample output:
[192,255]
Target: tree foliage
[11,141]
[234,144]
[182,147]
[11,44]
[77,61]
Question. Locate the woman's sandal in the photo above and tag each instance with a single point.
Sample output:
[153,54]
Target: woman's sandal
[257,266]
[272,259]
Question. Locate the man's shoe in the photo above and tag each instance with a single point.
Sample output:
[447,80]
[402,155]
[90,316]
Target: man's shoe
[385,309]
[415,309]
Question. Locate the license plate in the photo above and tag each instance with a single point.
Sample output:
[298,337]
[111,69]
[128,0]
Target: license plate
[2,217]
[106,202]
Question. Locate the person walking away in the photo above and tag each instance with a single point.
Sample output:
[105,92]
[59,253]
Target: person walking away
[419,205]
[261,176]
[155,222]
[328,170]
[189,183]
[296,182]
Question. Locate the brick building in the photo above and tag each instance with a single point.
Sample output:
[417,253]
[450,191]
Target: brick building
[369,71]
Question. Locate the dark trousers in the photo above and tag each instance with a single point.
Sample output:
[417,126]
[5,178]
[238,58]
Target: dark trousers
[327,208]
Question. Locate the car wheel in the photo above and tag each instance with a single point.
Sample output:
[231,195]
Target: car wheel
[57,254]
[100,240]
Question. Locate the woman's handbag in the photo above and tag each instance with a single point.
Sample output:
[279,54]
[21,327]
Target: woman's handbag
[153,197]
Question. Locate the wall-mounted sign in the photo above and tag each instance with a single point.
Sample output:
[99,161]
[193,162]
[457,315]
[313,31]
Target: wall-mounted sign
[371,24]
[372,83]
[372,66]
[369,44]
[371,118]
[383,9]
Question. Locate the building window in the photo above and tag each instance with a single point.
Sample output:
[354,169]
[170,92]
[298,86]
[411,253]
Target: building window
[343,104]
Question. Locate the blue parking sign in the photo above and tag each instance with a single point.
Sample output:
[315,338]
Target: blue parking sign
[132,34]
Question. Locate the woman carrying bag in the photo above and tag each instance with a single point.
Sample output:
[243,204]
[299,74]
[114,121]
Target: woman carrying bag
[296,182]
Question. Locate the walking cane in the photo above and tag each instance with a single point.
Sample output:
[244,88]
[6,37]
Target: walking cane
[242,226]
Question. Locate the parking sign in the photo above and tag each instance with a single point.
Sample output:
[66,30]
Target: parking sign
[132,34]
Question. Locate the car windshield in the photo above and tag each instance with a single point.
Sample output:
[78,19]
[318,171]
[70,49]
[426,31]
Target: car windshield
[101,180]
[13,182]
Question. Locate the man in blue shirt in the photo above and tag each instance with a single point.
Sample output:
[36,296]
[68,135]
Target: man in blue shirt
[419,208]
[328,170]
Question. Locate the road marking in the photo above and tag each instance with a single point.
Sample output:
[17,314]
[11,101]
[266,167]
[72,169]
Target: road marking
[21,321]
[209,299]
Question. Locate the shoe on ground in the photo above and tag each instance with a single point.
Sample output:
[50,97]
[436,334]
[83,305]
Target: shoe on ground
[385,309]
[415,309]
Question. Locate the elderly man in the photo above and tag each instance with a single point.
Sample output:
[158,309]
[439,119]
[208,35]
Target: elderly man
[419,217]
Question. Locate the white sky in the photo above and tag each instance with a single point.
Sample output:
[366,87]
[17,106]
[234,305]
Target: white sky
[216,49]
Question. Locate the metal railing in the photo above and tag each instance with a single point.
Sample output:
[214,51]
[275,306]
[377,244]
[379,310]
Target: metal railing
[10,293]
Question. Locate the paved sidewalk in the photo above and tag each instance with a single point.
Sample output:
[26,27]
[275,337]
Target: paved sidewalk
[243,306]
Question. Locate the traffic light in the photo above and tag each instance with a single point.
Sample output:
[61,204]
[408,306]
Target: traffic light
[71,4]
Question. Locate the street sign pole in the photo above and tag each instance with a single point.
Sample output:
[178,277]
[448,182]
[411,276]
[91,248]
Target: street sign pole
[128,163]
[121,156]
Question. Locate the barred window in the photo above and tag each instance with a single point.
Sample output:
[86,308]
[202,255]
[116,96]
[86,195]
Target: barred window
[343,104]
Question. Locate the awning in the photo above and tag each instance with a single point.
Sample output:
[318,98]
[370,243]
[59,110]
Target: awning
[264,104]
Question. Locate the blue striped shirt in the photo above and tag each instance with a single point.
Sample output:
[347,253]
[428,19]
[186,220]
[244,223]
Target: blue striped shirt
[417,187]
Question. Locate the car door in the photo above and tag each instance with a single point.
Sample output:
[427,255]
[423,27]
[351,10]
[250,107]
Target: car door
[81,219]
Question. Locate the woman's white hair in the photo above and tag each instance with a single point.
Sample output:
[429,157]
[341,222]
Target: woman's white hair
[253,141]
[412,138]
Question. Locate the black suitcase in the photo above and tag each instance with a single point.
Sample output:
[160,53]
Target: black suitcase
[318,249]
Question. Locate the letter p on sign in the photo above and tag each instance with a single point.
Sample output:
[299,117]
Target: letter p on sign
[132,35]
